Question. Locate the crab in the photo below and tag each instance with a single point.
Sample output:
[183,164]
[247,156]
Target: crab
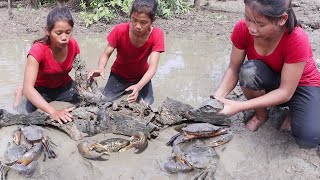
[96,151]
[193,148]
[20,159]
[192,155]
[199,130]
[33,135]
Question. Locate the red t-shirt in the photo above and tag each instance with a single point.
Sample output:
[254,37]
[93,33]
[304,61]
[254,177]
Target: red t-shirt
[292,48]
[131,62]
[53,74]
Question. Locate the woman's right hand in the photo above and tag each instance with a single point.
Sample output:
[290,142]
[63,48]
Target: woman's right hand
[62,115]
[96,73]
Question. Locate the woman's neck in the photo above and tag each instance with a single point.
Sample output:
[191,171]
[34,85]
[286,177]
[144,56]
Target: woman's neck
[59,54]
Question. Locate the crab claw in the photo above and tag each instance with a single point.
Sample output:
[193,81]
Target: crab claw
[139,140]
[172,166]
[26,171]
[16,136]
[31,155]
[86,149]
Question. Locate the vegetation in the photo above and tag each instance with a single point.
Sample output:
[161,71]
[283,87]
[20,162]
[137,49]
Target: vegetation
[107,10]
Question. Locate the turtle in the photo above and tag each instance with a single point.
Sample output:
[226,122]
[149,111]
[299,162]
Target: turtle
[208,112]
[192,155]
[34,134]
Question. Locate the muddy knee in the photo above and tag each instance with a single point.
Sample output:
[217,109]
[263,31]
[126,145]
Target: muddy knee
[256,75]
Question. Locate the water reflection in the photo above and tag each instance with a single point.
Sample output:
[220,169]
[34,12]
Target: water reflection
[188,71]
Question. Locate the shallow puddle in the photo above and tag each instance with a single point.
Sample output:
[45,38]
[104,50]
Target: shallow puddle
[188,71]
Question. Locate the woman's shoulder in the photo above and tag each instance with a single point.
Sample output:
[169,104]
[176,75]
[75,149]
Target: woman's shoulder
[298,35]
[298,32]
[122,27]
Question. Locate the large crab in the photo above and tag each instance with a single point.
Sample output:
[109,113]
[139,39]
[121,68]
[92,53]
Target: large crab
[193,154]
[33,135]
[199,130]
[20,159]
[21,155]
[193,149]
[96,151]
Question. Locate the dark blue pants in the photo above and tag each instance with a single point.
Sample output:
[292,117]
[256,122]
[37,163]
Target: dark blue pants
[116,85]
[304,105]
[67,93]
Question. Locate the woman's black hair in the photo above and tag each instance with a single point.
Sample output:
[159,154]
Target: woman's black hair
[149,7]
[273,10]
[59,13]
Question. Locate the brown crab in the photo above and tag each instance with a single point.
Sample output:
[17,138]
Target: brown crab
[96,151]
[192,155]
[22,160]
[199,130]
[34,134]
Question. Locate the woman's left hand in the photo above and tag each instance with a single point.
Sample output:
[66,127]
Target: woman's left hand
[132,97]
[230,107]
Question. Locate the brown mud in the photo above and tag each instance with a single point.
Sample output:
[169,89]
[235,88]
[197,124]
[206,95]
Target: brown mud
[265,154]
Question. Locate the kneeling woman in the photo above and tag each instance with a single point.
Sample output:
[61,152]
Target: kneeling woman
[280,69]
[49,61]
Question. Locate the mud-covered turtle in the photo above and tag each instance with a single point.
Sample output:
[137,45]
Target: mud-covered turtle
[191,155]
[33,135]
[208,112]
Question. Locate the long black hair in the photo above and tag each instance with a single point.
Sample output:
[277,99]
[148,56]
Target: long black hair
[273,9]
[149,7]
[59,13]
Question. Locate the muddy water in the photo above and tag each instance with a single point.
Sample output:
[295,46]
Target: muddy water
[188,71]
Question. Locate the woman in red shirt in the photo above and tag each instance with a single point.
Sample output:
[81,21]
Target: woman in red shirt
[49,61]
[280,69]
[135,41]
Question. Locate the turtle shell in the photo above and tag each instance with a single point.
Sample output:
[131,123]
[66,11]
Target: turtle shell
[211,106]
[32,133]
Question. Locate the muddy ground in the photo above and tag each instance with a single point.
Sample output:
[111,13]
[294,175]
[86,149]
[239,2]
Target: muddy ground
[265,154]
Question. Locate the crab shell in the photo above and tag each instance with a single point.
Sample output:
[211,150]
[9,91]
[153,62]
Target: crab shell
[32,132]
[111,145]
[201,129]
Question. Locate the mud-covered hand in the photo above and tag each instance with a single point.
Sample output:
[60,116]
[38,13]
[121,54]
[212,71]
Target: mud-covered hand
[96,73]
[230,107]
[132,97]
[62,115]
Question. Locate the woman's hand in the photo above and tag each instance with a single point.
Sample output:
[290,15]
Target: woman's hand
[230,107]
[96,73]
[62,115]
[135,92]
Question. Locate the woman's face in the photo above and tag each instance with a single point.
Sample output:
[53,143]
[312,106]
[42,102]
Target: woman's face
[140,24]
[60,34]
[258,25]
